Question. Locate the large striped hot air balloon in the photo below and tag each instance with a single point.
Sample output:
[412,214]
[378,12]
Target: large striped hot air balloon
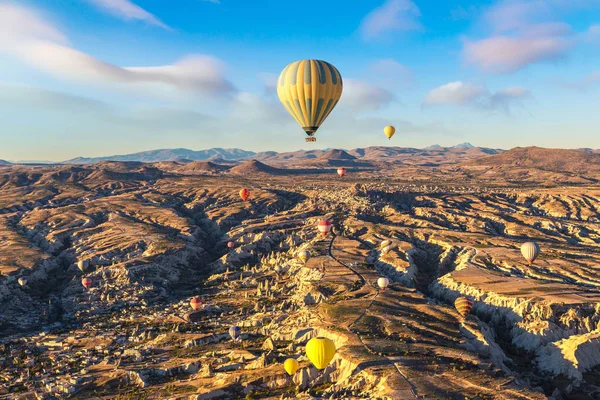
[463,305]
[245,194]
[320,351]
[291,366]
[235,332]
[304,255]
[309,90]
[325,227]
[341,172]
[530,250]
[196,303]
[383,282]
[86,282]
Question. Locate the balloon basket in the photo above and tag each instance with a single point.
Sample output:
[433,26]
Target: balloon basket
[311,139]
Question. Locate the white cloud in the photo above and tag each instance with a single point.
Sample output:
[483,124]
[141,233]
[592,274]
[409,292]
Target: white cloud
[392,73]
[502,54]
[593,34]
[392,16]
[468,94]
[524,33]
[126,10]
[363,96]
[38,43]
[454,93]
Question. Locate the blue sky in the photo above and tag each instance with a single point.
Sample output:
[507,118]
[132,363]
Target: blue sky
[103,77]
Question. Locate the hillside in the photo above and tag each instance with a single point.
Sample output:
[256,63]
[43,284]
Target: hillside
[169,155]
[254,167]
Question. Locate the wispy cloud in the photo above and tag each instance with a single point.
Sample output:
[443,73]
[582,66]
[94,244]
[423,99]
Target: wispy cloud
[362,96]
[523,33]
[27,36]
[468,94]
[391,73]
[593,34]
[391,17]
[127,10]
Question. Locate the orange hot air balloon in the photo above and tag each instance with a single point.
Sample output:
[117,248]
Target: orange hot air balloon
[196,303]
[325,227]
[231,245]
[86,282]
[463,305]
[341,172]
[245,194]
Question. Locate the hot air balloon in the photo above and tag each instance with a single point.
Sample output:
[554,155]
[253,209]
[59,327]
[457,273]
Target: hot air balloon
[23,281]
[304,255]
[463,305]
[235,332]
[530,251]
[389,131]
[387,249]
[231,245]
[383,282]
[245,194]
[196,303]
[385,243]
[86,282]
[341,172]
[309,90]
[320,351]
[325,227]
[81,265]
[291,366]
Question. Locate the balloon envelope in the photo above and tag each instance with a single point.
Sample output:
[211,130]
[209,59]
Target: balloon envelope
[325,227]
[389,131]
[23,281]
[235,332]
[309,90]
[530,250]
[385,243]
[320,351]
[304,255]
[196,303]
[231,245]
[341,172]
[86,282]
[245,194]
[291,366]
[383,282]
[81,265]
[463,305]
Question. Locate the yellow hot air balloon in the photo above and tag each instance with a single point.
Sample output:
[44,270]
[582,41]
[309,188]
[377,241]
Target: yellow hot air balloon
[309,90]
[463,305]
[320,351]
[304,255]
[389,131]
[291,366]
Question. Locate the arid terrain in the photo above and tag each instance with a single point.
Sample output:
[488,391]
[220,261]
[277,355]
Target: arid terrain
[153,235]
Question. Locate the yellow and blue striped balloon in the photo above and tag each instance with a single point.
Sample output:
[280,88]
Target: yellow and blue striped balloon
[309,90]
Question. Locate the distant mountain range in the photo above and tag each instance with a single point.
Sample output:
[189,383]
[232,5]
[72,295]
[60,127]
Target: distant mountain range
[184,155]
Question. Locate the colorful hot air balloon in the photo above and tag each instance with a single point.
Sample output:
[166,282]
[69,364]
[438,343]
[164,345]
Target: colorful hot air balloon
[320,351]
[463,305]
[389,131]
[245,194]
[196,303]
[309,90]
[341,172]
[23,281]
[231,245]
[530,250]
[235,332]
[325,227]
[86,282]
[304,255]
[383,282]
[291,366]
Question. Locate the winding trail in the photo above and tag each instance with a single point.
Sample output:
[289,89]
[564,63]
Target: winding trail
[363,280]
